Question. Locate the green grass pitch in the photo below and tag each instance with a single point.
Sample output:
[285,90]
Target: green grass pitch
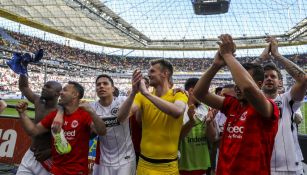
[11,112]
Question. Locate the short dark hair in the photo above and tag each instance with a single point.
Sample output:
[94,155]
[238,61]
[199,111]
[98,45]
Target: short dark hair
[190,83]
[272,66]
[218,89]
[116,92]
[164,64]
[78,87]
[105,76]
[258,72]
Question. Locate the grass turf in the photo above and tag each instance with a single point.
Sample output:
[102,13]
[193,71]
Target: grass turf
[11,112]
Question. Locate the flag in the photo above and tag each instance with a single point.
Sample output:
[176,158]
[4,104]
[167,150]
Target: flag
[19,62]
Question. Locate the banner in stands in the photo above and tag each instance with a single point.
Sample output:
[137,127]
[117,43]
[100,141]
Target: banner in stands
[14,142]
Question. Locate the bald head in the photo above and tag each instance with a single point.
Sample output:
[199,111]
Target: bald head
[51,90]
[55,85]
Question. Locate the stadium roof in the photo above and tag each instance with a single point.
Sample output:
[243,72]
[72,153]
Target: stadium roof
[162,24]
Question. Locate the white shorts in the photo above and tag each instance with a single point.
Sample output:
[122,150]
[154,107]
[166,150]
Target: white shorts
[30,166]
[300,172]
[126,169]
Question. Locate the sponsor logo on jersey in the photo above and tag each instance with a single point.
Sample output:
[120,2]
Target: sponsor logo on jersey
[235,131]
[111,121]
[70,135]
[196,139]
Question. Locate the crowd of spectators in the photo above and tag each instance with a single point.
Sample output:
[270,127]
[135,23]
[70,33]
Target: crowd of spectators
[63,53]
[64,63]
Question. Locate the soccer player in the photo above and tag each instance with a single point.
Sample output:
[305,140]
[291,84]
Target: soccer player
[78,124]
[37,158]
[195,135]
[161,114]
[252,119]
[115,154]
[287,156]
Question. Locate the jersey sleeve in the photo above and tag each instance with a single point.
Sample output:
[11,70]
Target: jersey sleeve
[48,119]
[179,96]
[296,104]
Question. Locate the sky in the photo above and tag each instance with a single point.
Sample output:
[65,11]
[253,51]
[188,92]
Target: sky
[175,19]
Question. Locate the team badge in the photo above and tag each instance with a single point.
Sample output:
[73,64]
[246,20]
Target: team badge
[114,111]
[74,124]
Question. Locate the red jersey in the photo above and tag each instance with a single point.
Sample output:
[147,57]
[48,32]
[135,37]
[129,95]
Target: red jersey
[136,134]
[248,140]
[76,129]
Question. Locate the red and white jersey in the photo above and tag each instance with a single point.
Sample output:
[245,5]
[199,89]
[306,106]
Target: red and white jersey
[287,153]
[116,146]
[248,140]
[77,130]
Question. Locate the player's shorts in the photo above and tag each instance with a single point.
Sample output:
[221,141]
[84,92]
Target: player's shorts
[300,172]
[126,169]
[147,168]
[30,166]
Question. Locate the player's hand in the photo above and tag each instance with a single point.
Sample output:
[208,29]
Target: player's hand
[21,106]
[86,106]
[227,46]
[211,115]
[191,112]
[218,60]
[274,46]
[265,55]
[136,78]
[142,87]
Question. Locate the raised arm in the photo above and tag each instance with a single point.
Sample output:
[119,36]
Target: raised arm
[98,126]
[122,114]
[243,79]
[211,128]
[298,90]
[175,109]
[186,128]
[264,56]
[30,128]
[25,89]
[201,89]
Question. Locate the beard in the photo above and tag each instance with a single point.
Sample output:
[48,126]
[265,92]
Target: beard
[269,91]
